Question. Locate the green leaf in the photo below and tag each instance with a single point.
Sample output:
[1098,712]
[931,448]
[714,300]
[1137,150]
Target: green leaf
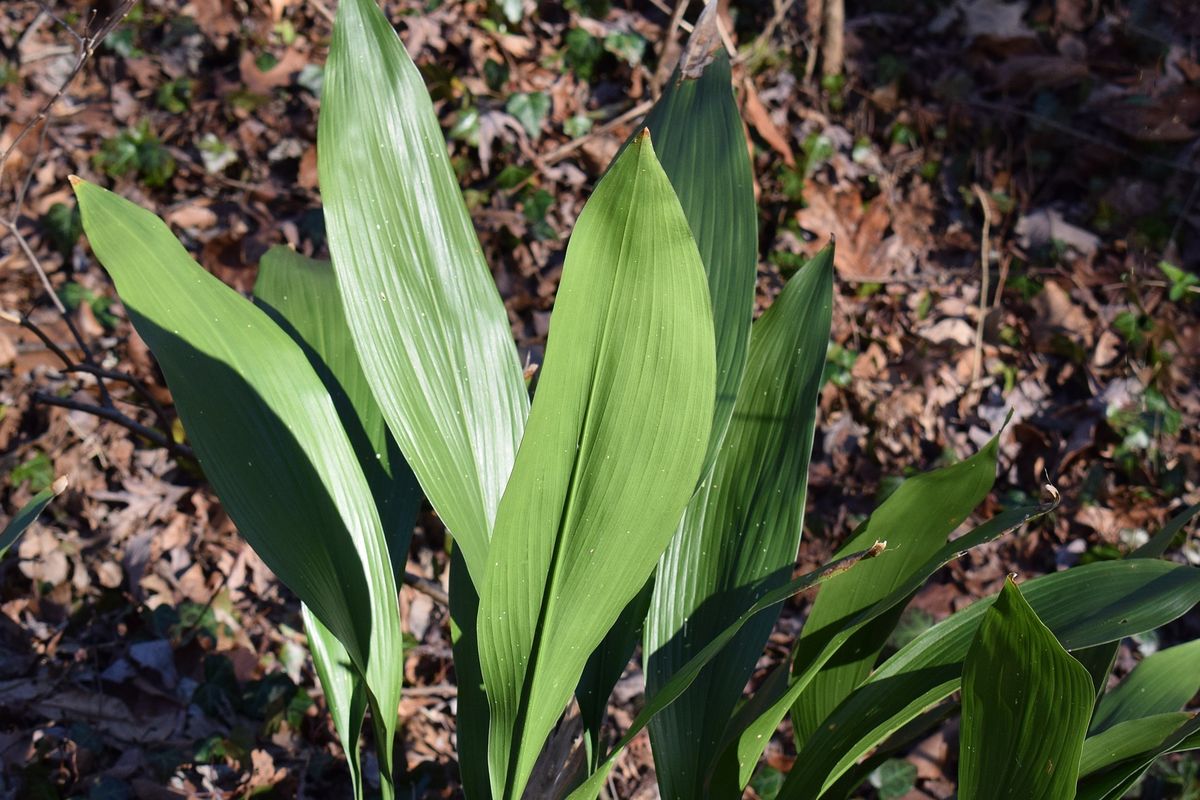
[1123,740]
[757,719]
[345,692]
[530,109]
[604,668]
[63,227]
[266,434]
[915,520]
[612,453]
[301,295]
[1099,660]
[37,470]
[1114,782]
[1165,681]
[1083,607]
[740,533]
[29,513]
[701,145]
[428,325]
[894,778]
[471,717]
[683,678]
[1025,707]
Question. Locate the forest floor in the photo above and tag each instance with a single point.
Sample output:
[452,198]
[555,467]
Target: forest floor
[1035,162]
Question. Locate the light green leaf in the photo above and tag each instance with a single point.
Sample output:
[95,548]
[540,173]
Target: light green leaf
[1083,607]
[267,436]
[430,330]
[1123,740]
[345,692]
[740,533]
[1025,707]
[530,109]
[701,145]
[29,513]
[612,453]
[1164,681]
[301,295]
[915,520]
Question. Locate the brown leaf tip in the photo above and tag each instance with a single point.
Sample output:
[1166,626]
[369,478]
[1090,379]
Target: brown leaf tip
[75,180]
[60,483]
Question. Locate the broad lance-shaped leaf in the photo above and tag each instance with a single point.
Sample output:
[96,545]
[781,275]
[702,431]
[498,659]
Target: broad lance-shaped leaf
[1100,660]
[1025,707]
[701,145]
[1115,781]
[683,678]
[756,720]
[740,533]
[266,434]
[923,510]
[1128,739]
[28,513]
[1162,682]
[1083,607]
[915,519]
[611,455]
[428,324]
[301,295]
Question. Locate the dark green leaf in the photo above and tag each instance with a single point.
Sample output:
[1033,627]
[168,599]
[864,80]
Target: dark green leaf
[1025,707]
[740,533]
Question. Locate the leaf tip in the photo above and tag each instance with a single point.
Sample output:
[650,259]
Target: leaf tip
[75,180]
[60,485]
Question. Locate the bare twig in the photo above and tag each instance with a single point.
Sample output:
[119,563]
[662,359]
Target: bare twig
[833,48]
[1083,136]
[428,587]
[113,414]
[561,152]
[86,43]
[322,9]
[985,255]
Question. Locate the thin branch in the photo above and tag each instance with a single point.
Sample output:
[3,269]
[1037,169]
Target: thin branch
[985,256]
[112,414]
[1083,136]
[427,587]
[561,152]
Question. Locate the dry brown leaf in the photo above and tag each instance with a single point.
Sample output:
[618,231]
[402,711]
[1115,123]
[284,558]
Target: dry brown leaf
[760,118]
[260,82]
